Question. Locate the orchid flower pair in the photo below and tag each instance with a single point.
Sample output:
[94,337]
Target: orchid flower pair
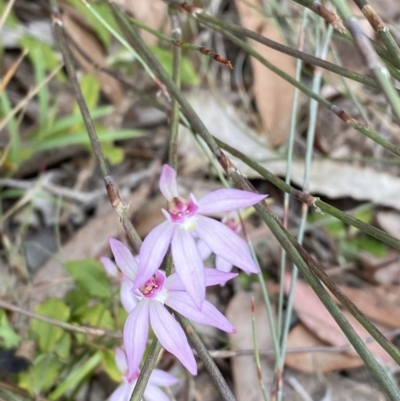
[145,290]
[187,224]
[146,307]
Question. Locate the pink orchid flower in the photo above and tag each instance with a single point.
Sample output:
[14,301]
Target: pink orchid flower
[152,297]
[152,393]
[185,223]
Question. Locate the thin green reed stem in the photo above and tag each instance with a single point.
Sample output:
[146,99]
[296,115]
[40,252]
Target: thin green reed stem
[176,76]
[287,241]
[289,158]
[380,28]
[367,52]
[333,108]
[257,351]
[307,58]
[304,262]
[308,161]
[311,201]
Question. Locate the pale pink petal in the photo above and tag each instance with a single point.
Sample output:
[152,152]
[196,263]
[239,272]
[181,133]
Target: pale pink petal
[213,277]
[128,299]
[160,378]
[168,185]
[225,243]
[209,314]
[109,267]
[222,264]
[226,200]
[204,250]
[153,393]
[123,392]
[120,360]
[153,251]
[136,331]
[188,265]
[171,336]
[123,258]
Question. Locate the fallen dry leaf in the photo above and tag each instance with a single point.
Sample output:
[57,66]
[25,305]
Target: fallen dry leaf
[316,362]
[247,386]
[376,303]
[273,95]
[389,222]
[317,319]
[383,270]
[151,13]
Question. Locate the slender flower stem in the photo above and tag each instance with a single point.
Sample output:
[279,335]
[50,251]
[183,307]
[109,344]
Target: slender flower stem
[112,191]
[209,363]
[257,351]
[176,76]
[148,367]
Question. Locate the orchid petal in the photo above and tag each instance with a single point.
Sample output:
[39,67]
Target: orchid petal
[226,200]
[223,265]
[120,360]
[213,277]
[160,378]
[153,393]
[123,392]
[123,258]
[152,252]
[168,184]
[109,266]
[128,299]
[136,331]
[204,250]
[188,265]
[225,243]
[209,314]
[171,336]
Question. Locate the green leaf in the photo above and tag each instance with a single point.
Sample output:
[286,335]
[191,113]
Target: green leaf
[82,138]
[114,154]
[90,88]
[98,316]
[77,299]
[165,57]
[109,365]
[49,335]
[42,375]
[371,245]
[63,346]
[11,20]
[89,274]
[8,337]
[78,374]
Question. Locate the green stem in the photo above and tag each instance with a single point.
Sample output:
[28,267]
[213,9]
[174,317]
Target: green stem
[176,76]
